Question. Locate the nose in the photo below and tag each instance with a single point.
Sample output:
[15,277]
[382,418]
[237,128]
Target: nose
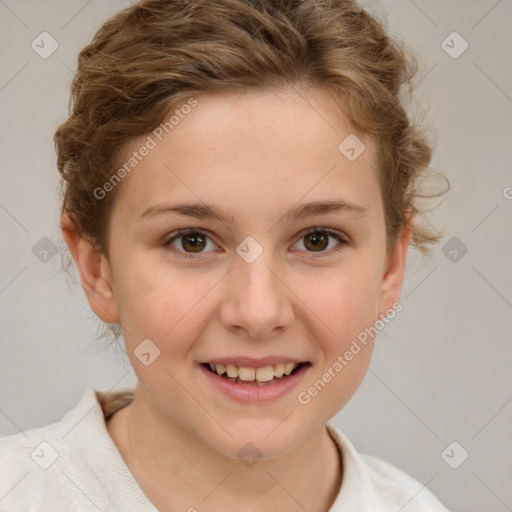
[257,298]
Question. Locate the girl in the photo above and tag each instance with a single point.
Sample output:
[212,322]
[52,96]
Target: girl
[240,187]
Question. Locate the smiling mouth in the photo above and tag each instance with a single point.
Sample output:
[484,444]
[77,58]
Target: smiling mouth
[263,376]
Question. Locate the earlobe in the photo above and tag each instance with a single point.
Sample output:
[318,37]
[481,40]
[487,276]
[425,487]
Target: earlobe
[94,270]
[392,279]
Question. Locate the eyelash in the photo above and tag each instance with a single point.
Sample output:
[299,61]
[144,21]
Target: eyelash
[338,235]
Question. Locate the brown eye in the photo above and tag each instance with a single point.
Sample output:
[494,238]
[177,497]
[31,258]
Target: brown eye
[319,240]
[316,241]
[194,242]
[189,242]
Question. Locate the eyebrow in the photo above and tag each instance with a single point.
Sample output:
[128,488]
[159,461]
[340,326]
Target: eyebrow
[300,211]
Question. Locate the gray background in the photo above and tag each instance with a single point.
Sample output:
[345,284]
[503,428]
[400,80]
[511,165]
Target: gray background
[440,373]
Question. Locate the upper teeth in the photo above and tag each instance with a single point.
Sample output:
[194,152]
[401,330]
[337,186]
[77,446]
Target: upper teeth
[264,374]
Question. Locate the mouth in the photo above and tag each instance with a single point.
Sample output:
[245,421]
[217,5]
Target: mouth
[262,376]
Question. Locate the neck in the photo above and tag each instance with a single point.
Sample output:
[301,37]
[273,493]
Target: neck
[163,458]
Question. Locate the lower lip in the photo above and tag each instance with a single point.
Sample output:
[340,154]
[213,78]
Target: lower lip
[253,392]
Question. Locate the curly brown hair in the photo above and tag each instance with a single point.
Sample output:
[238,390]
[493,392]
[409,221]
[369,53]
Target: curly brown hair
[156,54]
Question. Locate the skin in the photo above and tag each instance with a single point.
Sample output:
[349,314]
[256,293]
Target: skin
[255,156]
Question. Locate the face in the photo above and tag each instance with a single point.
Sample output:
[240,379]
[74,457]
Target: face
[257,278]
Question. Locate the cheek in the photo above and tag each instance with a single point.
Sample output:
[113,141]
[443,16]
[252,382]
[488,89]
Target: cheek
[346,307]
[161,303]
[344,301]
[167,307]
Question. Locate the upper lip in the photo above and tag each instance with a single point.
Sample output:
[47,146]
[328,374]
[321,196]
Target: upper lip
[254,362]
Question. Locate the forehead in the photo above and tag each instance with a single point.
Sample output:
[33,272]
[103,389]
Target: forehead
[257,151]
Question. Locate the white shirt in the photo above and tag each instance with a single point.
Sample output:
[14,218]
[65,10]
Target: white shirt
[79,468]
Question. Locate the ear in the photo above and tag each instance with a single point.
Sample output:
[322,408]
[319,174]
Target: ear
[392,279]
[94,270]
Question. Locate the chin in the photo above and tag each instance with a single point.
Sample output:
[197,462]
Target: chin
[256,440]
